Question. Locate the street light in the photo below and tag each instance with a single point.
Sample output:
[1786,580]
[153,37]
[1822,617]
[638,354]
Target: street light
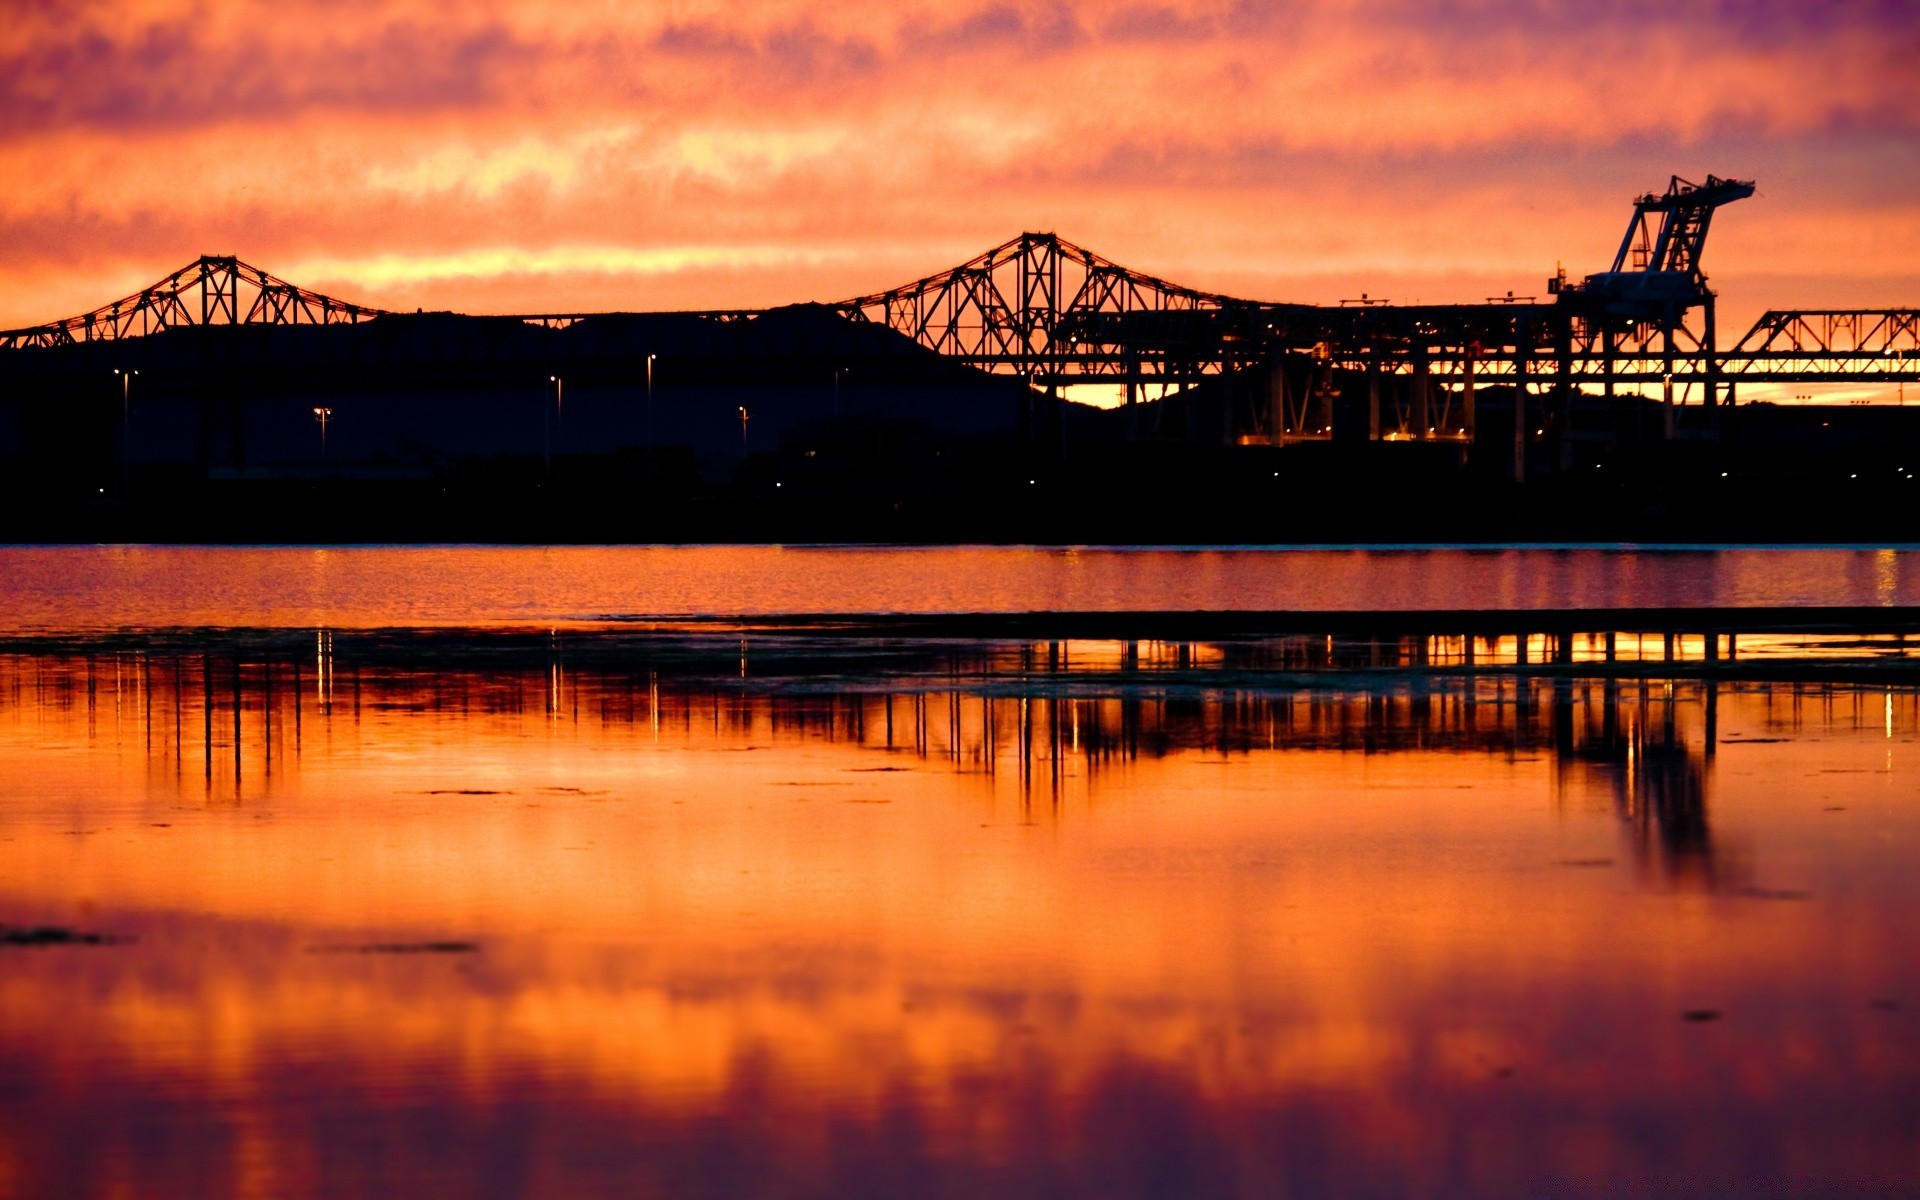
[126,427]
[552,419]
[323,415]
[743,431]
[650,359]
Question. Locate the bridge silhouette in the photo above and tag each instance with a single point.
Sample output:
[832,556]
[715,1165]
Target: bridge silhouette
[996,347]
[1056,314]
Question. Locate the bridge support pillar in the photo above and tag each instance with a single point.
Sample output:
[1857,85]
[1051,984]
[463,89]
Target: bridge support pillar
[1466,392]
[1564,396]
[1277,401]
[1520,386]
[1667,323]
[1422,387]
[1709,356]
[1373,396]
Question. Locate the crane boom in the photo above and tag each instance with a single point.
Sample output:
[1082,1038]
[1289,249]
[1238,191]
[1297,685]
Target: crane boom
[1658,264]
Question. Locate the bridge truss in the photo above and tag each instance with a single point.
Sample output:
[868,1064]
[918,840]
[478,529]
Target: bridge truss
[213,290]
[1041,307]
[1056,315]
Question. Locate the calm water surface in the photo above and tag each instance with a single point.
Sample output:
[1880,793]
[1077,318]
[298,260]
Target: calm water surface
[442,872]
[316,913]
[64,588]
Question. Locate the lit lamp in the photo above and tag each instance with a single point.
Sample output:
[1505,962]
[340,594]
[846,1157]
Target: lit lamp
[126,426]
[323,415]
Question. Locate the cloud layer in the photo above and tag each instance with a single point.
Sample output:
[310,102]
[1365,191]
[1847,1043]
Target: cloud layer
[512,156]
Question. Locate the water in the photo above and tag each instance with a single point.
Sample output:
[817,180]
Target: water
[837,909]
[86,587]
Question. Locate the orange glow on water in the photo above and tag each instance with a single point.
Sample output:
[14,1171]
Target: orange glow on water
[93,589]
[986,927]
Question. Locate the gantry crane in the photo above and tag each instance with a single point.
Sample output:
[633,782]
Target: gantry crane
[1657,268]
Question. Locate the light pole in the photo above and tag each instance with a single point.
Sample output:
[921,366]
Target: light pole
[126,428]
[323,415]
[553,419]
[650,359]
[743,433]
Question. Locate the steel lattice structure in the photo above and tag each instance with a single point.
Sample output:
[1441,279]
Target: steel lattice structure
[1038,305]
[1829,345]
[213,290]
[1052,313]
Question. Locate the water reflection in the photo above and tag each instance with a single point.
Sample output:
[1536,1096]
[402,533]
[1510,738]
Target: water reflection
[1047,721]
[801,912]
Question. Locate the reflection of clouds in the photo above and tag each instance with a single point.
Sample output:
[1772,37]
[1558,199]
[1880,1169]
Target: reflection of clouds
[1257,915]
[593,1065]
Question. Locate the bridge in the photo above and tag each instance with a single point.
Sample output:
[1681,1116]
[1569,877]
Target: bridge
[1054,314]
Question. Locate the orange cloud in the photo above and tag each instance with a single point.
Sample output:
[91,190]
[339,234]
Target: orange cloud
[521,156]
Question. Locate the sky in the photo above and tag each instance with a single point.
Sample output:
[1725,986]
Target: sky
[513,156]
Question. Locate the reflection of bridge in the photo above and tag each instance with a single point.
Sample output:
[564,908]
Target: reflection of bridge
[1043,309]
[1051,720]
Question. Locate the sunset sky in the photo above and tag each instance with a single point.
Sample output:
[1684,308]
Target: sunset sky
[494,155]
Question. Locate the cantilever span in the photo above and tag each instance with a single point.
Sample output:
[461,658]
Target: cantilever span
[1022,297]
[212,290]
[1000,304]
